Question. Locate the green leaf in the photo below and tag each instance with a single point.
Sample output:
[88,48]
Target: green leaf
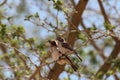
[43,53]
[18,32]
[109,26]
[36,15]
[82,37]
[3,31]
[57,4]
[41,46]
[70,69]
[93,57]
[110,72]
[65,78]
[14,42]
[1,15]
[20,29]
[117,64]
[28,17]
[99,75]
[93,27]
[61,24]
[14,27]
[81,51]
[76,60]
[31,40]
[4,55]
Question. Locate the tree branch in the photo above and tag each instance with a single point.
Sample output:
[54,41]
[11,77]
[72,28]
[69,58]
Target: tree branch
[92,41]
[76,18]
[103,11]
[3,2]
[105,67]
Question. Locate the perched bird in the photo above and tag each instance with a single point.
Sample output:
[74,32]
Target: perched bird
[59,57]
[65,48]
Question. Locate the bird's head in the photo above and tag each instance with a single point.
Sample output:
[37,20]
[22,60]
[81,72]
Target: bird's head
[52,43]
[60,39]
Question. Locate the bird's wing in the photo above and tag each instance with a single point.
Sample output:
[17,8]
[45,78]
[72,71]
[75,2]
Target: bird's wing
[67,46]
[73,65]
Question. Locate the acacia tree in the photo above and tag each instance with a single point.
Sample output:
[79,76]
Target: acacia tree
[92,28]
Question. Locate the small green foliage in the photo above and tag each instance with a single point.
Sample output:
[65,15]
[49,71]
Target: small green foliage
[36,15]
[28,17]
[93,27]
[3,31]
[18,31]
[3,56]
[61,24]
[41,46]
[93,57]
[82,37]
[57,4]
[80,51]
[99,75]
[109,26]
[14,27]
[109,42]
[1,15]
[104,0]
[75,59]
[65,78]
[9,18]
[18,73]
[70,70]
[50,24]
[14,42]
[116,64]
[110,72]
[43,53]
[31,40]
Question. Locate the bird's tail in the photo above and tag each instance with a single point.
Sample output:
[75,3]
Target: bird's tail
[78,56]
[73,65]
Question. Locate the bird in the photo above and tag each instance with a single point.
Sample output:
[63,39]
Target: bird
[59,57]
[66,48]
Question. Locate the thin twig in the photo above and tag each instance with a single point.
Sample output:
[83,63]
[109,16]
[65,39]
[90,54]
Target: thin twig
[3,2]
